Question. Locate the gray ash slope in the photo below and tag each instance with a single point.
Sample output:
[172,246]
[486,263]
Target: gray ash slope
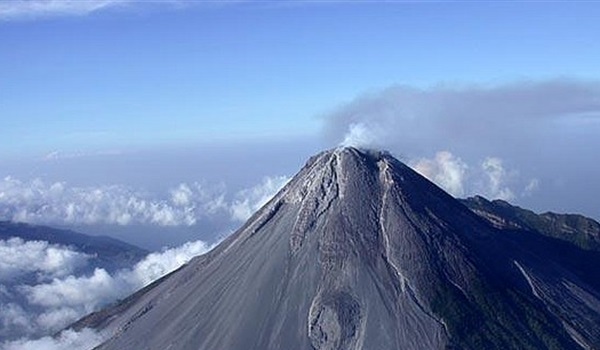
[360,252]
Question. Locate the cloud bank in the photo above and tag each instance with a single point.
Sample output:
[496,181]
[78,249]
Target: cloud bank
[49,260]
[44,287]
[53,300]
[39,202]
[68,340]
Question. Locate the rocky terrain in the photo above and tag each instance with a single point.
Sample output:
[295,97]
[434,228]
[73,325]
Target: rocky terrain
[358,251]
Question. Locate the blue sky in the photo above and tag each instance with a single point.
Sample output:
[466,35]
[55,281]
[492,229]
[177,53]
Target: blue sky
[140,75]
[140,100]
[161,122]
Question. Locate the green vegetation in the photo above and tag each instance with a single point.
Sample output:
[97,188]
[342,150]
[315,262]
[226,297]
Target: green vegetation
[484,322]
[577,229]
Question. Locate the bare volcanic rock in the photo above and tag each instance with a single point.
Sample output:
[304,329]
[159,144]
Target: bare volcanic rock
[360,252]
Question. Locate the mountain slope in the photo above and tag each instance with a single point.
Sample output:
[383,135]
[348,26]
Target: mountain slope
[577,229]
[360,252]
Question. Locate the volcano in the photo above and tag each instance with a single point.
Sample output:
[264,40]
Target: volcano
[358,251]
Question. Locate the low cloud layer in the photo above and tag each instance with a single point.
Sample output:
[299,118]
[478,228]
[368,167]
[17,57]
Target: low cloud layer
[69,340]
[39,202]
[52,300]
[466,138]
[48,260]
[44,287]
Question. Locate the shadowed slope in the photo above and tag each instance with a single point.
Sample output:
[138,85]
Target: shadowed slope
[577,229]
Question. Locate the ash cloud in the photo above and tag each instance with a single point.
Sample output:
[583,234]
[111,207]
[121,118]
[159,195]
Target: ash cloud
[442,117]
[545,132]
[361,135]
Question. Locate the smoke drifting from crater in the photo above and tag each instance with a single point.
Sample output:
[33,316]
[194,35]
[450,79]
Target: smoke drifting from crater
[531,134]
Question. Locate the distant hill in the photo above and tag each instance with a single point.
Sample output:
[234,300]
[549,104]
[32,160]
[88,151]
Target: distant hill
[41,255]
[577,229]
[110,253]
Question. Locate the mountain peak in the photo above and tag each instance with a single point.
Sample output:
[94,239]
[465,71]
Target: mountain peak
[351,152]
[357,251]
[340,166]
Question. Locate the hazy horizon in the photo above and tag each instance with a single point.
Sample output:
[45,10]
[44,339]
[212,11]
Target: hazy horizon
[167,123]
[136,100]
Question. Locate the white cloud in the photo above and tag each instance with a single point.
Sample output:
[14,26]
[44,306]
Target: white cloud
[48,320]
[44,8]
[74,296]
[182,195]
[18,257]
[156,265]
[58,155]
[39,202]
[35,9]
[250,200]
[85,293]
[446,170]
[13,318]
[490,179]
[68,340]
[46,306]
[497,177]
